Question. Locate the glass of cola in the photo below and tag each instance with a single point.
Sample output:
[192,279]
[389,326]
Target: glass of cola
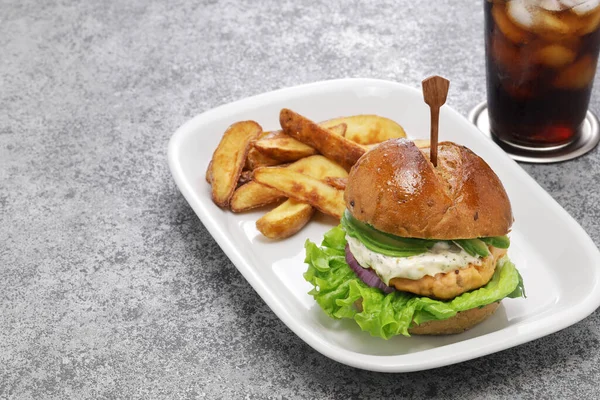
[541,60]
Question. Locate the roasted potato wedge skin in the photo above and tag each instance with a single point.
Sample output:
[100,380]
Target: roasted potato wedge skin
[367,129]
[338,183]
[253,195]
[331,145]
[285,220]
[229,158]
[303,188]
[208,176]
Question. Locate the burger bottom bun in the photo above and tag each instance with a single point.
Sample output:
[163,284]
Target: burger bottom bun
[461,322]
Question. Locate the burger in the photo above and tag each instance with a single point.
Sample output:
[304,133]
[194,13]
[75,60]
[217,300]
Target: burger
[421,249]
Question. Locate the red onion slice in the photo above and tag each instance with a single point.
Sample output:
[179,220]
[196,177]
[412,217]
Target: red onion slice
[368,276]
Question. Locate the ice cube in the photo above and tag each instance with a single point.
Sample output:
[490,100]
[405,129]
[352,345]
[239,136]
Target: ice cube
[586,7]
[555,56]
[521,12]
[504,52]
[508,29]
[552,5]
[571,3]
[577,75]
[548,23]
[516,70]
[589,23]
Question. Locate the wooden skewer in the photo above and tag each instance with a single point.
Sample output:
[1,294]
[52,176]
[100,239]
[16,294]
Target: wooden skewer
[435,91]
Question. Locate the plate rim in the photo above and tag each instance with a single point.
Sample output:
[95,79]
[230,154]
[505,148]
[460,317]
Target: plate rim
[393,363]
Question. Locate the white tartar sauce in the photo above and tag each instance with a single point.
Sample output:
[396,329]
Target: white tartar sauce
[442,257]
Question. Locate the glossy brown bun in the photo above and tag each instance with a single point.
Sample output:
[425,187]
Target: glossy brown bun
[395,188]
[459,323]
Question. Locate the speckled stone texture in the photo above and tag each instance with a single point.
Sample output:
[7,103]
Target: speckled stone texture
[110,287]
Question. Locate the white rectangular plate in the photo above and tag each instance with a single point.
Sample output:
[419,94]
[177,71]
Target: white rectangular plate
[559,263]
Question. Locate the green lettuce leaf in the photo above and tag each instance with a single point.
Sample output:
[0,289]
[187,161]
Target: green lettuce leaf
[336,289]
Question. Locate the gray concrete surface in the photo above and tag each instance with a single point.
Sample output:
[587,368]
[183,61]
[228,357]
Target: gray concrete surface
[110,287]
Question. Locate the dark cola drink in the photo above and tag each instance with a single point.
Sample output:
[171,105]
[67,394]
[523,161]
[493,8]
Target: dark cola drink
[541,59]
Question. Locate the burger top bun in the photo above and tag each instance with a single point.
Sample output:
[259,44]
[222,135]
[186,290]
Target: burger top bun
[395,188]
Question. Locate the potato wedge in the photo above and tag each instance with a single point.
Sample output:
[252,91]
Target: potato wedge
[282,147]
[339,129]
[253,195]
[318,167]
[332,146]
[256,159]
[229,158]
[338,183]
[367,129]
[304,188]
[422,143]
[208,176]
[285,220]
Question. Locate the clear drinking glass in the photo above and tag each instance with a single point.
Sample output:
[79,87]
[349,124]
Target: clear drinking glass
[541,60]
